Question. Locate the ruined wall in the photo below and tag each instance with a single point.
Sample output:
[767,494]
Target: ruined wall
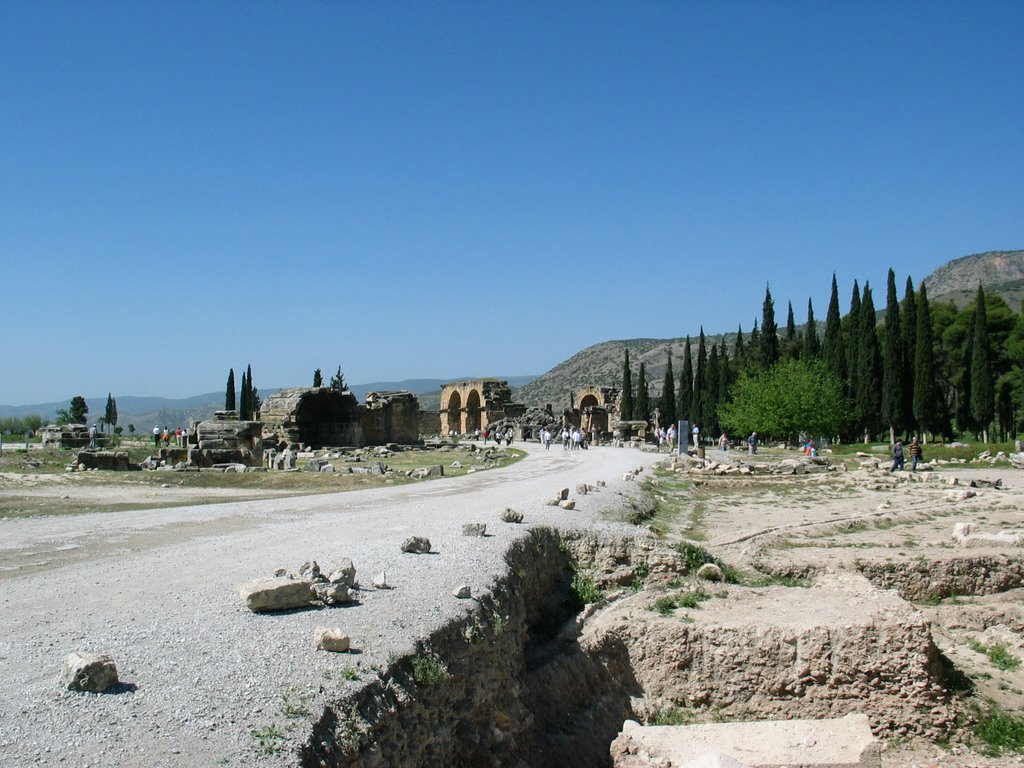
[391,417]
[470,405]
[226,439]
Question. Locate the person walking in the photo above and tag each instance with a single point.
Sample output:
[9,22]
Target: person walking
[897,457]
[915,453]
[156,436]
[696,437]
[752,443]
[723,442]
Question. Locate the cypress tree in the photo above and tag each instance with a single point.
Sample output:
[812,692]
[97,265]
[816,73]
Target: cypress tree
[714,386]
[925,397]
[892,362]
[626,399]
[755,354]
[642,406]
[229,393]
[110,413]
[791,349]
[698,412]
[811,348]
[739,352]
[667,406]
[832,348]
[685,401]
[851,341]
[243,398]
[869,363]
[725,378]
[908,325]
[982,386]
[769,332]
[318,378]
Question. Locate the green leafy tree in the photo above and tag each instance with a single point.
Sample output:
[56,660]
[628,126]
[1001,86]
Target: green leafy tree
[229,392]
[642,406]
[667,404]
[832,348]
[982,386]
[318,378]
[78,410]
[793,396]
[892,363]
[338,381]
[684,403]
[626,398]
[769,332]
[811,347]
[868,402]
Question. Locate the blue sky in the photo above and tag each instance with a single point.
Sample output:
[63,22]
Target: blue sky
[474,188]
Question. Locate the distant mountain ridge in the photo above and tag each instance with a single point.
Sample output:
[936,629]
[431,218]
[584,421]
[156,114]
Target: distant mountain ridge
[164,411]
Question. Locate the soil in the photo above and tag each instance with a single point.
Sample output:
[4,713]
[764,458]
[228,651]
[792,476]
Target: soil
[204,681]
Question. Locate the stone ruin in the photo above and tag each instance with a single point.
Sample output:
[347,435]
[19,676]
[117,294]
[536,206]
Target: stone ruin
[317,417]
[224,439]
[68,436]
[467,406]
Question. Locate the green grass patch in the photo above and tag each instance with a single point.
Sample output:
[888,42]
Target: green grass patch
[666,604]
[269,739]
[429,669]
[998,731]
[998,653]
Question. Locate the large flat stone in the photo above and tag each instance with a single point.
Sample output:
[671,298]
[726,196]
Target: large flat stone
[844,742]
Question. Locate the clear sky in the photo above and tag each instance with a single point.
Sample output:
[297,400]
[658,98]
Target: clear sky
[474,188]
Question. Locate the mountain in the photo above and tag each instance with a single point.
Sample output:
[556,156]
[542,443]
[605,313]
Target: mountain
[1000,272]
[146,411]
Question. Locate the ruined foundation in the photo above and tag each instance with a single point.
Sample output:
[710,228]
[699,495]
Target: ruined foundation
[527,680]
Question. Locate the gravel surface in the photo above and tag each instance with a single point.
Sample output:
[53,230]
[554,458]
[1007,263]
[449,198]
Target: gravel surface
[157,590]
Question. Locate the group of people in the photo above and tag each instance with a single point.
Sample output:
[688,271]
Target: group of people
[496,435]
[165,435]
[899,452]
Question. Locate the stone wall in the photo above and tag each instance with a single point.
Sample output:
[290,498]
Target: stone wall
[391,417]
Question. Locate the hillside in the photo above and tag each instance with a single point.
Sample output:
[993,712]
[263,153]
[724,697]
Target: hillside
[1000,272]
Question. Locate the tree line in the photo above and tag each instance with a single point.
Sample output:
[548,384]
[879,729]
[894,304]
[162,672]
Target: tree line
[919,367]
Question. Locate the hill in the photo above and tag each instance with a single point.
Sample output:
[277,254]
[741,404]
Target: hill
[1000,272]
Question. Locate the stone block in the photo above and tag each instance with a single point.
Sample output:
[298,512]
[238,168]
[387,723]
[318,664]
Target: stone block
[474,529]
[92,672]
[276,594]
[417,545]
[331,639]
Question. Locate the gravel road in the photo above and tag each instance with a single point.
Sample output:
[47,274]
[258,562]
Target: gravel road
[157,590]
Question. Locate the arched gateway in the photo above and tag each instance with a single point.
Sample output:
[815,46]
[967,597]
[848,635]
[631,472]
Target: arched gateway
[470,405]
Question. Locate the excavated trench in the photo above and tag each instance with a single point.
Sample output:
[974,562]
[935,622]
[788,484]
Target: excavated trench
[517,683]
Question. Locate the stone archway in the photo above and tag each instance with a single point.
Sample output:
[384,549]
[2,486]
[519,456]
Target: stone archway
[453,413]
[473,409]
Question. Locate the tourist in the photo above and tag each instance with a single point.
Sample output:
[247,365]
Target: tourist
[498,437]
[92,436]
[696,437]
[897,457]
[508,436]
[593,435]
[566,435]
[915,453]
[178,432]
[752,443]
[723,442]
[156,436]
[670,437]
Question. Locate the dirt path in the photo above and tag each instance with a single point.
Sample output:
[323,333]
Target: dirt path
[157,589]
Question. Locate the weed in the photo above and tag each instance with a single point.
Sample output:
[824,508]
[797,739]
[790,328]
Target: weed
[292,707]
[428,669]
[349,673]
[671,716]
[269,739]
[998,654]
[694,556]
[499,624]
[666,604]
[999,731]
[640,572]
[583,591]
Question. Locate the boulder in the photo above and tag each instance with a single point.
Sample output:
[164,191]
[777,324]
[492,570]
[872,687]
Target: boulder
[342,571]
[380,581]
[276,594]
[462,592]
[474,529]
[92,672]
[331,639]
[512,515]
[417,545]
[567,504]
[331,594]
[710,572]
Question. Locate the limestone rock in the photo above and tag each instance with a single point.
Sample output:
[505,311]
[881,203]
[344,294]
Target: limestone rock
[437,470]
[567,504]
[563,494]
[331,639]
[331,594]
[92,672]
[310,570]
[276,594]
[512,515]
[342,572]
[417,545]
[474,529]
[380,581]
[462,592]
